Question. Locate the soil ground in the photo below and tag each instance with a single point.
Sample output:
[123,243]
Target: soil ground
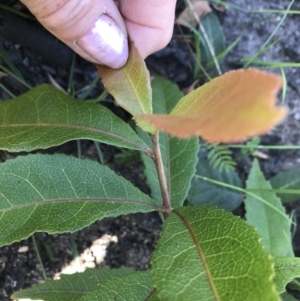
[129,240]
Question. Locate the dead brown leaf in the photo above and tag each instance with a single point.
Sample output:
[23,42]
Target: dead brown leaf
[219,7]
[194,12]
[261,155]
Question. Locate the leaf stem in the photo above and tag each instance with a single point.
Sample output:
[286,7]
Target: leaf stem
[161,172]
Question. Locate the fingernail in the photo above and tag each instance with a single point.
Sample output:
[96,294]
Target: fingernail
[105,43]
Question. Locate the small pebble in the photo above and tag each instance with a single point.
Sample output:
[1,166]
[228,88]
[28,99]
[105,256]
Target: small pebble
[23,249]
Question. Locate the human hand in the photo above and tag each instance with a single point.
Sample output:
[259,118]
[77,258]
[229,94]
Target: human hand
[98,29]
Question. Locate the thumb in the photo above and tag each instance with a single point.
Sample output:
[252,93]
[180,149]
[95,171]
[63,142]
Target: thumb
[92,28]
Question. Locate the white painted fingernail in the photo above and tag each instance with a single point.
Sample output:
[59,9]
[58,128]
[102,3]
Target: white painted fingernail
[105,43]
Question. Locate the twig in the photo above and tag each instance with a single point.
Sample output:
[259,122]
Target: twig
[161,172]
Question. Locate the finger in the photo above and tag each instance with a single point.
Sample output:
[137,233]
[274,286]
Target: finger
[93,28]
[149,23]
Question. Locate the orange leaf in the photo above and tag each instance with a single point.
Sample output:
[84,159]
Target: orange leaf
[230,108]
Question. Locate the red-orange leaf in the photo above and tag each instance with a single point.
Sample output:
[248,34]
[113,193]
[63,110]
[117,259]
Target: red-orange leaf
[230,108]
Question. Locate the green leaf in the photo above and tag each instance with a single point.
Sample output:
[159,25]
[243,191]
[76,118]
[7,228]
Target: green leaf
[179,156]
[150,169]
[203,192]
[135,286]
[205,253]
[60,193]
[214,33]
[285,180]
[273,227]
[130,86]
[71,287]
[286,269]
[251,147]
[287,297]
[45,117]
[180,164]
[165,95]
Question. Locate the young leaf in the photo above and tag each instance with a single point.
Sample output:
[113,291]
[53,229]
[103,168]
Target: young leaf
[203,192]
[289,179]
[135,286]
[205,253]
[179,156]
[130,85]
[273,227]
[219,156]
[286,269]
[232,107]
[71,287]
[45,117]
[60,193]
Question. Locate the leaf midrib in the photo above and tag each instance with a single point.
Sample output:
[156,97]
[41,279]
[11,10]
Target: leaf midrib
[70,200]
[76,126]
[78,292]
[201,255]
[133,86]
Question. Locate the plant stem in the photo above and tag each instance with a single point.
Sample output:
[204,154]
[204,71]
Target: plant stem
[161,172]
[100,155]
[79,150]
[39,257]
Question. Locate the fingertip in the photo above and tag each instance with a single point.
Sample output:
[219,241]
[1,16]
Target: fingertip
[105,42]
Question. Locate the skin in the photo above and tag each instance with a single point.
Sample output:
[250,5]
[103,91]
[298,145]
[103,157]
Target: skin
[148,23]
